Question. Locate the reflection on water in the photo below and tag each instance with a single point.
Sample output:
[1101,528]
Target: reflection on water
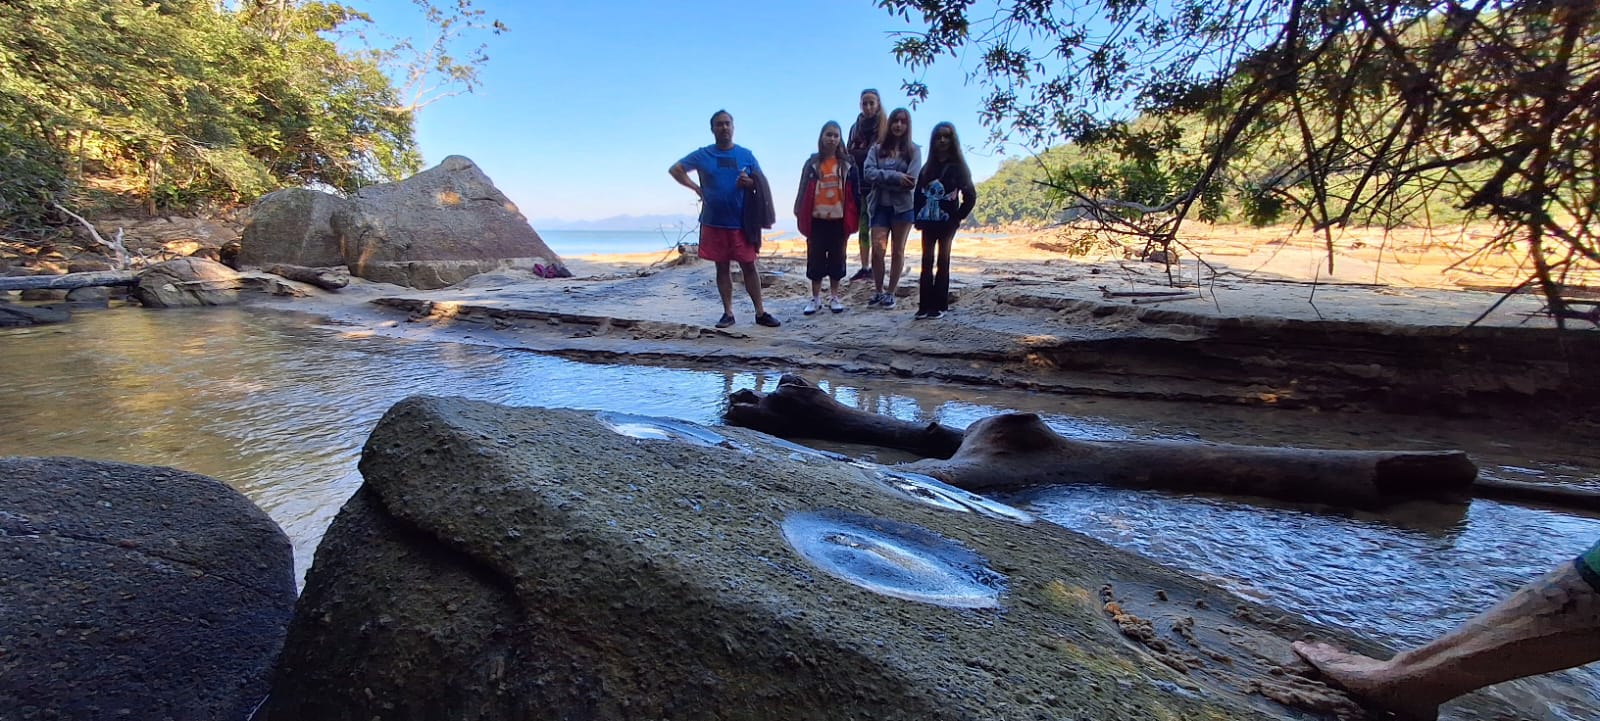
[278,406]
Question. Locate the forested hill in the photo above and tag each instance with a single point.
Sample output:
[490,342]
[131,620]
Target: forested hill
[1014,195]
[172,104]
[1030,190]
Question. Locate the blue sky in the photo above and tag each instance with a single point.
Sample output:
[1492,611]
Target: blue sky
[584,105]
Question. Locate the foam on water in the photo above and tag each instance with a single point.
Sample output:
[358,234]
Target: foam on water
[895,559]
[651,428]
[807,450]
[934,492]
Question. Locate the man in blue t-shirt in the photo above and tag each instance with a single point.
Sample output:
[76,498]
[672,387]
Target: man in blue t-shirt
[726,171]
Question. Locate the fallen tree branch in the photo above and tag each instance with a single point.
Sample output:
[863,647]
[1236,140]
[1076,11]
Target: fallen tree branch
[69,281]
[1013,451]
[119,252]
[798,409]
[1166,299]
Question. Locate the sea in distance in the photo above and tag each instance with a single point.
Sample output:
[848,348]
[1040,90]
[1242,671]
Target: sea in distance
[574,243]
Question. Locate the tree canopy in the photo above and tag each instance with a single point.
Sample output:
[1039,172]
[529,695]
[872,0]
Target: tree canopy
[178,102]
[1324,112]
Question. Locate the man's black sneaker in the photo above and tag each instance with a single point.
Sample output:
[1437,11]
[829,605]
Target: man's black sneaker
[725,321]
[767,320]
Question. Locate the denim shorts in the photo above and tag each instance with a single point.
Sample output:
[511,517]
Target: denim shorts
[884,216]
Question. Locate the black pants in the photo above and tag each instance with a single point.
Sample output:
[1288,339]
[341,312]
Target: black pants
[933,288]
[825,249]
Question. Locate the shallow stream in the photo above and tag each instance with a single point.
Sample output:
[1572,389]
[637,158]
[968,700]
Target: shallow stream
[278,405]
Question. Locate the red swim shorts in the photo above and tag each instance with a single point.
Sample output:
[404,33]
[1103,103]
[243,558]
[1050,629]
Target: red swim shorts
[725,244]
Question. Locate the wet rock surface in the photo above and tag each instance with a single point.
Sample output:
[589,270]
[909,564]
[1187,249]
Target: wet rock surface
[12,314]
[1366,356]
[513,562]
[135,592]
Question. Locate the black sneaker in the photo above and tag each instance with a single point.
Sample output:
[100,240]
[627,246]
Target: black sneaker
[862,274]
[934,315]
[922,315]
[725,321]
[767,320]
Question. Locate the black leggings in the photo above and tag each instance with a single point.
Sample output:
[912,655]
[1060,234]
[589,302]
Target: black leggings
[825,249]
[933,288]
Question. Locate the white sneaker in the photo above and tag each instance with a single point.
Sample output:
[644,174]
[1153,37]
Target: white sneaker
[812,307]
[835,305]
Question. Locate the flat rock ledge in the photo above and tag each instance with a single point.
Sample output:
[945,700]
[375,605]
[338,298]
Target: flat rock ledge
[505,563]
[135,592]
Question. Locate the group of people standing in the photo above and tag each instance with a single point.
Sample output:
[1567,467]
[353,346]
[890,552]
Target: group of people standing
[871,183]
[875,182]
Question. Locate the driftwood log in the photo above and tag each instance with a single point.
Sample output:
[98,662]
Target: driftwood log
[798,409]
[69,281]
[119,252]
[319,277]
[1017,450]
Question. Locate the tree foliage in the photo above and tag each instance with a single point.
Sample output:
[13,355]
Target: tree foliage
[1326,112]
[178,102]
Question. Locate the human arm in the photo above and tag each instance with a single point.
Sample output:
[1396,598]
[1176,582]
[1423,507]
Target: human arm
[1552,623]
[872,170]
[969,196]
[748,171]
[800,193]
[681,174]
[914,168]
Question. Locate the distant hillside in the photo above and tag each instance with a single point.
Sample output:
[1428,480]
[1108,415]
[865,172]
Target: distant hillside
[1021,194]
[1014,195]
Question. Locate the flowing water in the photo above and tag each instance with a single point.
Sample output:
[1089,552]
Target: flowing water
[278,405]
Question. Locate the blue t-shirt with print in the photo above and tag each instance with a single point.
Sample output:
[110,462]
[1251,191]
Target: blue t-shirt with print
[719,177]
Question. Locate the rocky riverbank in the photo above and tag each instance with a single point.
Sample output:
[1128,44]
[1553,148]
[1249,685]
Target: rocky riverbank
[1025,317]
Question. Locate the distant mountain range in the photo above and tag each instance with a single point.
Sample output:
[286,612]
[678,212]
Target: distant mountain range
[618,222]
[635,222]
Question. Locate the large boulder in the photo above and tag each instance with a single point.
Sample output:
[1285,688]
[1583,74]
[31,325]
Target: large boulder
[512,563]
[293,226]
[135,592]
[187,282]
[436,228]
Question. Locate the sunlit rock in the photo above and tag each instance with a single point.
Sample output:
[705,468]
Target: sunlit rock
[293,226]
[436,228]
[187,282]
[504,563]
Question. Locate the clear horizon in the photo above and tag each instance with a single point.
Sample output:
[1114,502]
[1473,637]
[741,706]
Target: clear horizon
[583,107]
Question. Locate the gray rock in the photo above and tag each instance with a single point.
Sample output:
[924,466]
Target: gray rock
[187,282]
[89,263]
[135,592]
[91,297]
[292,226]
[510,563]
[43,295]
[436,228]
[12,315]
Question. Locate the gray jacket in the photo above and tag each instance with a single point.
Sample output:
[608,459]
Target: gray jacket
[883,179]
